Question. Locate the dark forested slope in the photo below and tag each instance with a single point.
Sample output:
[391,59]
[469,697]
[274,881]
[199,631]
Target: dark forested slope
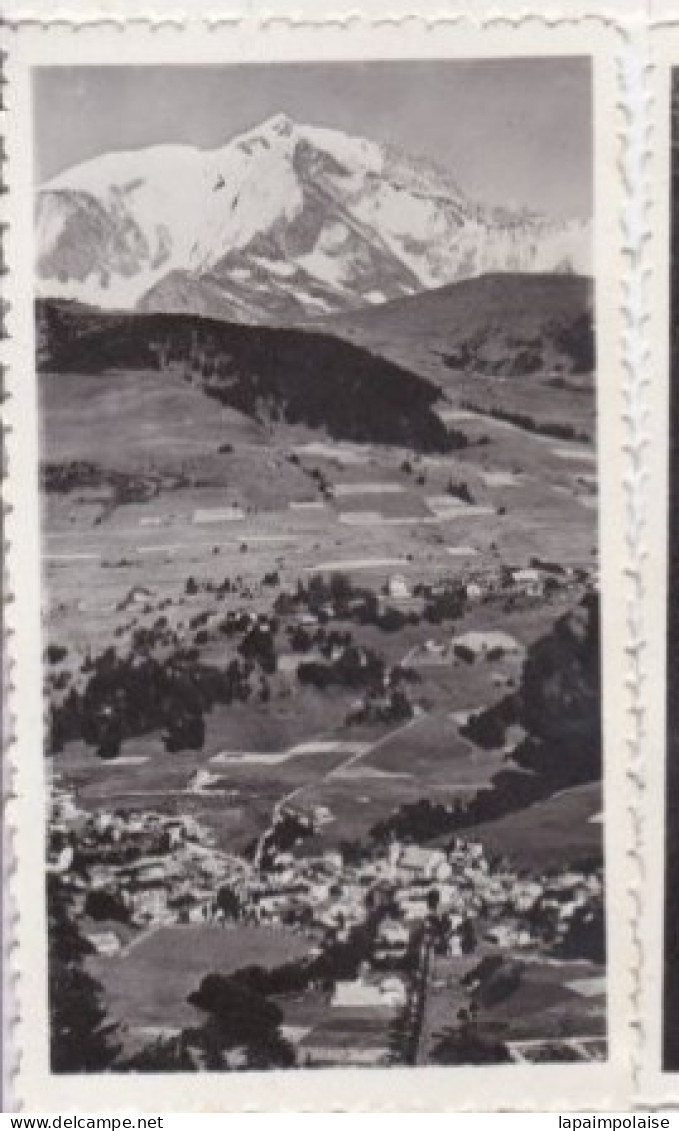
[266,373]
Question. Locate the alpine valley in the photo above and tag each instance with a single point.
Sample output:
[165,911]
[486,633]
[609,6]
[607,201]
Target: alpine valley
[319,503]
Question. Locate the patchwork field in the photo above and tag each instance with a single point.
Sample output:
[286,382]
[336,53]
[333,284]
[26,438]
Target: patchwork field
[284,633]
[112,568]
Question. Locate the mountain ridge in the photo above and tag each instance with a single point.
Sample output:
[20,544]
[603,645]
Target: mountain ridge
[285,221]
[495,325]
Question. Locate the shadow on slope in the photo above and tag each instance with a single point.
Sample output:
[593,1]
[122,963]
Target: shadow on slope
[266,373]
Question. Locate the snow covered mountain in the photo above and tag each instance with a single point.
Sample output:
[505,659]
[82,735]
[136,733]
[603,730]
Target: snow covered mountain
[284,222]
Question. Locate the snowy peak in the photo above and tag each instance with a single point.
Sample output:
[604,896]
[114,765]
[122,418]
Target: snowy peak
[280,125]
[284,221]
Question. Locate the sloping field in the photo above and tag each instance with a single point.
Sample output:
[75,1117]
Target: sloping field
[544,1006]
[548,1002]
[133,417]
[436,757]
[550,834]
[149,985]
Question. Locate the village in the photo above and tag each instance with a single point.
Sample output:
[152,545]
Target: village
[370,932]
[132,873]
[274,757]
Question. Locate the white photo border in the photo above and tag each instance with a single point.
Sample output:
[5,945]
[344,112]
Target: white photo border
[603,1086]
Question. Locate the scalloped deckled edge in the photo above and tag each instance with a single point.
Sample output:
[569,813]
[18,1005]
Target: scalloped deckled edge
[631,303]
[8,908]
[634,69]
[7,917]
[621,14]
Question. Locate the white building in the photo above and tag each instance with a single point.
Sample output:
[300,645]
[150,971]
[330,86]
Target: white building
[415,909]
[398,588]
[389,994]
[392,938]
[319,891]
[529,581]
[61,861]
[322,815]
[424,863]
[64,807]
[200,781]
[393,992]
[503,934]
[148,904]
[454,946]
[356,994]
[106,943]
[478,645]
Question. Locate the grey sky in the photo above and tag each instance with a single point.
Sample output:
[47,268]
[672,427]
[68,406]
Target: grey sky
[512,132]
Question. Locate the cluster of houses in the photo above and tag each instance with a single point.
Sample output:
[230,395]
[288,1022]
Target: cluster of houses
[470,900]
[536,580]
[159,869]
[146,868]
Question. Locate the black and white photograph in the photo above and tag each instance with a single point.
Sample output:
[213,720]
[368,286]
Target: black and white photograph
[316,367]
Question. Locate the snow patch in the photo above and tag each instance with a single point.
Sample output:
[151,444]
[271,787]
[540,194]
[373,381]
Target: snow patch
[328,269]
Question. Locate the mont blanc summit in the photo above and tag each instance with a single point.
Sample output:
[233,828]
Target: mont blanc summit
[284,221]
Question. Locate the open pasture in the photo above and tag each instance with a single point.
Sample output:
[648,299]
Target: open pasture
[433,752]
[134,418]
[383,507]
[527,618]
[284,724]
[149,986]
[356,804]
[155,772]
[536,395]
[553,833]
[556,986]
[544,1006]
[279,736]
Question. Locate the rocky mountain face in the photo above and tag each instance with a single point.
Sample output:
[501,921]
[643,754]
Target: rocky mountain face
[285,222]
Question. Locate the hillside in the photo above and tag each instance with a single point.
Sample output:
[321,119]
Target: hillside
[557,710]
[496,325]
[265,373]
[283,222]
